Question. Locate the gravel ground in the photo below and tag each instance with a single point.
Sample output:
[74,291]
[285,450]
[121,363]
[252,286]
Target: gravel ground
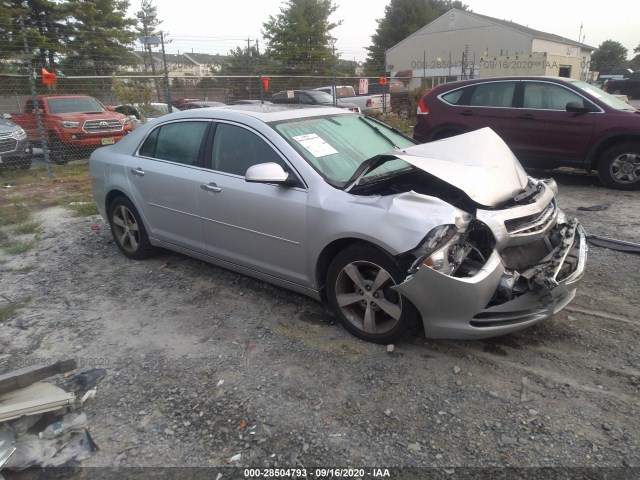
[209,368]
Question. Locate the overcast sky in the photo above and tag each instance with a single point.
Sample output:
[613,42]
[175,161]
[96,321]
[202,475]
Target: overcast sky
[217,27]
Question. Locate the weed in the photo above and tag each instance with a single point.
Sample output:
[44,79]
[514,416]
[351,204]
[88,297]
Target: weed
[18,248]
[84,209]
[7,311]
[27,228]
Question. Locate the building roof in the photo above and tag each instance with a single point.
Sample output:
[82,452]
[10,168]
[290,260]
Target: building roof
[195,58]
[532,32]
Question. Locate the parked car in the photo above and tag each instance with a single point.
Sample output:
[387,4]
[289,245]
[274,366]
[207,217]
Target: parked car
[200,104]
[368,103]
[548,122]
[340,207]
[311,97]
[145,112]
[74,125]
[249,102]
[629,86]
[15,148]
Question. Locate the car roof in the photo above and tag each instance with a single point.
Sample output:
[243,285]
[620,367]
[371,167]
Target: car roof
[459,83]
[265,113]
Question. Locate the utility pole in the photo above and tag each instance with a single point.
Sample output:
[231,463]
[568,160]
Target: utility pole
[166,73]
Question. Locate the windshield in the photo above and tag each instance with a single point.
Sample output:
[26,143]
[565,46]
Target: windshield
[603,96]
[321,97]
[336,145]
[74,105]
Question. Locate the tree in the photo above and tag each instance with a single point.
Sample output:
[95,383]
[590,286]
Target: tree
[401,19]
[243,61]
[100,37]
[44,24]
[149,23]
[634,63]
[299,37]
[610,54]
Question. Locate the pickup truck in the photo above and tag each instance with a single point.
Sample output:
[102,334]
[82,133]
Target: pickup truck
[368,103]
[74,125]
[628,86]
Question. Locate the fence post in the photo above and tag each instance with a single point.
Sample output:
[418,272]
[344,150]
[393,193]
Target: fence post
[34,96]
[166,74]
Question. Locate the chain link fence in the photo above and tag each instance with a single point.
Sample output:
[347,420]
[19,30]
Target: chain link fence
[75,115]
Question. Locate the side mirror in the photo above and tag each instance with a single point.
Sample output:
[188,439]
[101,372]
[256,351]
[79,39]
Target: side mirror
[111,108]
[577,107]
[41,111]
[267,173]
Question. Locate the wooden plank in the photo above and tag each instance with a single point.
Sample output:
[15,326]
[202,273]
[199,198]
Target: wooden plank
[24,377]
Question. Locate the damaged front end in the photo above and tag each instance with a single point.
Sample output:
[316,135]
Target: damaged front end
[506,269]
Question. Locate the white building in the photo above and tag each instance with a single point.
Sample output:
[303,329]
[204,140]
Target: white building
[456,44]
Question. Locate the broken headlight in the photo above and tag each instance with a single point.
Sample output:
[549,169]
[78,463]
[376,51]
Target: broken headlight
[453,250]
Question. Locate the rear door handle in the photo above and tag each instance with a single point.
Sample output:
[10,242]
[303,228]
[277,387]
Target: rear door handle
[210,187]
[466,113]
[138,171]
[527,116]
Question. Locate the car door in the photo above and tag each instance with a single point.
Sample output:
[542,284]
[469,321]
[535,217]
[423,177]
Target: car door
[488,104]
[546,132]
[163,177]
[258,226]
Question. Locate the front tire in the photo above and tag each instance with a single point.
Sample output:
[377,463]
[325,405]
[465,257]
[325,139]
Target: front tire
[358,286]
[619,167]
[128,230]
[56,150]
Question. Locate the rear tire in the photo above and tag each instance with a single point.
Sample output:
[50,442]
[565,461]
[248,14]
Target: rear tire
[619,167]
[358,287]
[128,230]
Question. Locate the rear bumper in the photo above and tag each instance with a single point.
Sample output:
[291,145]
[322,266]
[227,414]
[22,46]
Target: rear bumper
[468,308]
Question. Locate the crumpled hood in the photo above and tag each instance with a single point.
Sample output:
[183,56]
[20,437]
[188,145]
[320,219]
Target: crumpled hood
[478,163]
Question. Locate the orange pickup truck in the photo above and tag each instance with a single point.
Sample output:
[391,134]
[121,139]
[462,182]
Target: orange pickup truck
[74,125]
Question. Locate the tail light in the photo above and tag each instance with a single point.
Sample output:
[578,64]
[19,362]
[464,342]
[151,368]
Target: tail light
[422,107]
[368,102]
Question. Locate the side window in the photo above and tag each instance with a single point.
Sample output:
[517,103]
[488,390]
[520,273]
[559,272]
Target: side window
[148,148]
[453,97]
[494,94]
[235,149]
[177,142]
[546,96]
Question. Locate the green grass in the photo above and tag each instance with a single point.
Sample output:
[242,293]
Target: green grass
[13,214]
[84,209]
[7,311]
[27,269]
[27,228]
[18,248]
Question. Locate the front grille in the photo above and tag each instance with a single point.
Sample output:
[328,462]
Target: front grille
[532,223]
[99,126]
[8,144]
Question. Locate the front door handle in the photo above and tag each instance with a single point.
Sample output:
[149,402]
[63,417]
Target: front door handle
[466,113]
[138,171]
[527,116]
[211,187]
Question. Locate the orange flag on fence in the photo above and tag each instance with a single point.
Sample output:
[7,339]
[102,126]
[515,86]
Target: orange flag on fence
[48,78]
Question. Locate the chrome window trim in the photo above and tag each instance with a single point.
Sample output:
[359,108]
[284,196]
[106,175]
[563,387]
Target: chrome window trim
[439,97]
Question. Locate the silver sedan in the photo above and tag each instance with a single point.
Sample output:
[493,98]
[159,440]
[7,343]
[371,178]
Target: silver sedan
[340,207]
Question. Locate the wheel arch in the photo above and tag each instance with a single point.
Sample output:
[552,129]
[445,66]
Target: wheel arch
[330,251]
[606,143]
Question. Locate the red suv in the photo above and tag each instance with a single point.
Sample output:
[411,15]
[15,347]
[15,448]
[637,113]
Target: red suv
[548,122]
